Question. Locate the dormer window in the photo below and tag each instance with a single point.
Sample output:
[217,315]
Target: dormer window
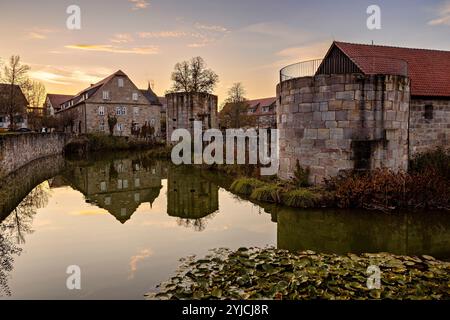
[105,95]
[120,82]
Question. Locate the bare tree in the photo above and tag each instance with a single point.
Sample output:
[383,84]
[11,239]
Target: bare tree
[193,77]
[34,92]
[13,230]
[16,75]
[234,113]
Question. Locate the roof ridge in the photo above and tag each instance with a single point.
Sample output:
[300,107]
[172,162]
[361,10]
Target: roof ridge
[389,46]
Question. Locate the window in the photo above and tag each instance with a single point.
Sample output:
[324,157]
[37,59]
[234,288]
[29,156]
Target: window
[105,95]
[135,96]
[121,111]
[120,127]
[119,184]
[123,212]
[108,201]
[152,122]
[120,82]
[1,119]
[137,197]
[125,184]
[101,126]
[101,111]
[137,182]
[136,111]
[428,115]
[103,186]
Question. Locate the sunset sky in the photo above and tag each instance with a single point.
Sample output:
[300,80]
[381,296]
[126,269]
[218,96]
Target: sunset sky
[244,41]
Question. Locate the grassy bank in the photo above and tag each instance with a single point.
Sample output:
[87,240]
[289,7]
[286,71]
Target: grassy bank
[425,186]
[277,274]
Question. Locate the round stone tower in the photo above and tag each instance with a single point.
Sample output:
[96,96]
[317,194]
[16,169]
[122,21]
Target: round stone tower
[334,122]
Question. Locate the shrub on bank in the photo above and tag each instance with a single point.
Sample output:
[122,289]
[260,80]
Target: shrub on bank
[437,160]
[267,193]
[301,198]
[245,186]
[388,190]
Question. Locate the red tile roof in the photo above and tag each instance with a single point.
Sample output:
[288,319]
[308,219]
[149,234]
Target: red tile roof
[429,70]
[258,104]
[57,99]
[263,102]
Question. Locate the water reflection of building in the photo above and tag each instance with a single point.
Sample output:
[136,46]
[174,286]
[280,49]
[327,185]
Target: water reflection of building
[190,197]
[341,232]
[118,186]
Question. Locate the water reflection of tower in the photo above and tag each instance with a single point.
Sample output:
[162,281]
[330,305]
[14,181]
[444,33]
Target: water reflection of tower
[118,186]
[190,197]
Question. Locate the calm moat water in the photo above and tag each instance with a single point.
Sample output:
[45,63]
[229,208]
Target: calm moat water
[127,220]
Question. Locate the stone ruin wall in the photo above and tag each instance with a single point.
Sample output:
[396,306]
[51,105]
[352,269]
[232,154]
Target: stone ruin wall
[185,108]
[429,128]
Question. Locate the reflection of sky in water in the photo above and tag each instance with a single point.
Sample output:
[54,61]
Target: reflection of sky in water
[127,237]
[123,260]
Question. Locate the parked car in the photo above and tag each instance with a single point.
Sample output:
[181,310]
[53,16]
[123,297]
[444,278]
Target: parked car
[23,130]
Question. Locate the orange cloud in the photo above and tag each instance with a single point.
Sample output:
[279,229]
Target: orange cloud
[443,16]
[146,50]
[122,38]
[139,4]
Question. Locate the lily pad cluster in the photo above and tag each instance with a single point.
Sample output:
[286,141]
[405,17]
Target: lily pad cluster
[269,273]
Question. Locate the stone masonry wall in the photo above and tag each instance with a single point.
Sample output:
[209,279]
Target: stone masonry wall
[339,122]
[429,128]
[19,149]
[184,108]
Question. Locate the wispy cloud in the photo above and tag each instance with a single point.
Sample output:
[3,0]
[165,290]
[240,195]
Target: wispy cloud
[277,31]
[144,50]
[199,35]
[66,76]
[214,28]
[139,4]
[287,56]
[207,34]
[39,33]
[122,38]
[307,52]
[443,13]
[134,260]
[163,34]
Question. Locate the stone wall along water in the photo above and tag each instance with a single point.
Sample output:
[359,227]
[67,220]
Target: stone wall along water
[16,150]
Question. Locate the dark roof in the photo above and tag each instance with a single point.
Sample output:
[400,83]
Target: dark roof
[5,90]
[151,96]
[429,70]
[57,99]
